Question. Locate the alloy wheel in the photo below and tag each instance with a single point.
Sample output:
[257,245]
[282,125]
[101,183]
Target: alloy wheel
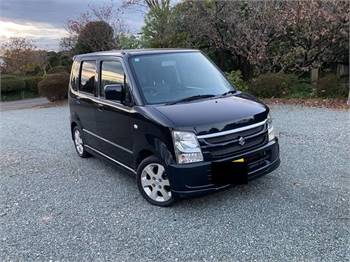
[155,182]
[78,142]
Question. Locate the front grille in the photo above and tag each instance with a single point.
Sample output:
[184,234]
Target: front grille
[221,146]
[230,137]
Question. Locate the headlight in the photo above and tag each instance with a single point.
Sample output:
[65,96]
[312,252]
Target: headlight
[270,128]
[187,149]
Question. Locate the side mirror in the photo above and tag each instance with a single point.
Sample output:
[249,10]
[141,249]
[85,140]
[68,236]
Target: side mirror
[114,92]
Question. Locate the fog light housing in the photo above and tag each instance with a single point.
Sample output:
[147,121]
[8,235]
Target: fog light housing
[187,149]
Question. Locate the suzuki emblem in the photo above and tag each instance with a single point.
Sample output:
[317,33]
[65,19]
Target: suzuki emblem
[241,141]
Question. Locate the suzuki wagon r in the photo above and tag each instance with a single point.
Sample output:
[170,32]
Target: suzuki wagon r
[171,118]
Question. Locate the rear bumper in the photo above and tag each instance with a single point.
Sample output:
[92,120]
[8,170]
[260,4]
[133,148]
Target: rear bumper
[196,179]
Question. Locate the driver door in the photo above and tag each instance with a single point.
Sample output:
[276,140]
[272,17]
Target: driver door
[114,118]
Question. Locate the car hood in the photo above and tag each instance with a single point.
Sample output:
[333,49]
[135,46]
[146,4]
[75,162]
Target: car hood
[214,115]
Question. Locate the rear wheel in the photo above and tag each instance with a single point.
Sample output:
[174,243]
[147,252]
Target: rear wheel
[79,143]
[153,182]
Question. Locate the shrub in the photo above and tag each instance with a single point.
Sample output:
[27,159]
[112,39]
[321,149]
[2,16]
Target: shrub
[31,83]
[301,89]
[330,86]
[54,87]
[12,84]
[272,85]
[58,69]
[235,78]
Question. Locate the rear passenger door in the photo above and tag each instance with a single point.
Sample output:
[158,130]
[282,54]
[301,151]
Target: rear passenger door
[114,117]
[87,101]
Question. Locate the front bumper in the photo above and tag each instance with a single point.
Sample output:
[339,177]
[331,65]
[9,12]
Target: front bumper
[196,179]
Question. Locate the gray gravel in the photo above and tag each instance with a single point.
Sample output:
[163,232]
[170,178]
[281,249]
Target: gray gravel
[54,205]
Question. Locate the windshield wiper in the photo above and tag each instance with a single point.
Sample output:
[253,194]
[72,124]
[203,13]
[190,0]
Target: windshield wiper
[229,92]
[191,98]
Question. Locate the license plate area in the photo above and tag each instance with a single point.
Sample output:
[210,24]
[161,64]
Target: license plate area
[230,172]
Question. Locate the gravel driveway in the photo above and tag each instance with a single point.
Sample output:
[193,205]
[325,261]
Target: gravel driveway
[54,205]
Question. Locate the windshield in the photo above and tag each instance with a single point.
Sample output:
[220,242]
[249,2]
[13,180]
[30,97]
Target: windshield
[168,78]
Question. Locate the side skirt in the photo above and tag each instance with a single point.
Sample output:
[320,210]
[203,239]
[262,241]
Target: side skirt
[97,152]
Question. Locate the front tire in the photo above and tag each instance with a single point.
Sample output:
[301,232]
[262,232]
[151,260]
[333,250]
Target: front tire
[79,143]
[153,182]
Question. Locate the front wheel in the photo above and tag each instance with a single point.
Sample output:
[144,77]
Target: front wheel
[153,182]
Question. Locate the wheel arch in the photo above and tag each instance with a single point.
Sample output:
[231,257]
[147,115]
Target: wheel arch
[72,126]
[143,154]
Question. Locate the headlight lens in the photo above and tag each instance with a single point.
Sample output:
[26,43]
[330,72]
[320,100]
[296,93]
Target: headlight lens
[187,149]
[270,128]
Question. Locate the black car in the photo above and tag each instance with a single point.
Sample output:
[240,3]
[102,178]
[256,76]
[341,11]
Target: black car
[171,118]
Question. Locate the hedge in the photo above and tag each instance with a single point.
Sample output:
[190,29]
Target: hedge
[9,85]
[235,78]
[32,83]
[330,86]
[15,83]
[273,85]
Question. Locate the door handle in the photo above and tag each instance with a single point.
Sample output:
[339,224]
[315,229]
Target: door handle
[100,107]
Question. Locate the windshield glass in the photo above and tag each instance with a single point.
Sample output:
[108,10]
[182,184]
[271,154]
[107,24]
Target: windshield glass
[167,78]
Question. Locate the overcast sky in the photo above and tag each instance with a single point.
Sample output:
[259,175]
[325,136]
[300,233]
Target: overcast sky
[43,21]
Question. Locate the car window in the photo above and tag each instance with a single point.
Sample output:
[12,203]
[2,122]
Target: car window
[75,75]
[165,78]
[87,78]
[111,73]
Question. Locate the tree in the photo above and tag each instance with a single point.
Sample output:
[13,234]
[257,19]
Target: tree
[22,57]
[160,29]
[147,4]
[60,59]
[312,33]
[267,35]
[40,60]
[18,55]
[107,13]
[128,41]
[95,36]
[157,32]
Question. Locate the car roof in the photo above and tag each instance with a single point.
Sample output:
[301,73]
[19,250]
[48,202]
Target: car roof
[126,52]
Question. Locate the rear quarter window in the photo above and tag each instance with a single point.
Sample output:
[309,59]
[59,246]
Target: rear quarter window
[87,77]
[74,76]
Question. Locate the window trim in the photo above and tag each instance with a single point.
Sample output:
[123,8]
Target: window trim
[79,84]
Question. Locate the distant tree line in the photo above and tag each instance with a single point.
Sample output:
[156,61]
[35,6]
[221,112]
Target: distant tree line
[24,66]
[254,36]
[246,39]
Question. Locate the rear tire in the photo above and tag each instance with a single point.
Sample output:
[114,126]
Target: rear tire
[153,182]
[79,142]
